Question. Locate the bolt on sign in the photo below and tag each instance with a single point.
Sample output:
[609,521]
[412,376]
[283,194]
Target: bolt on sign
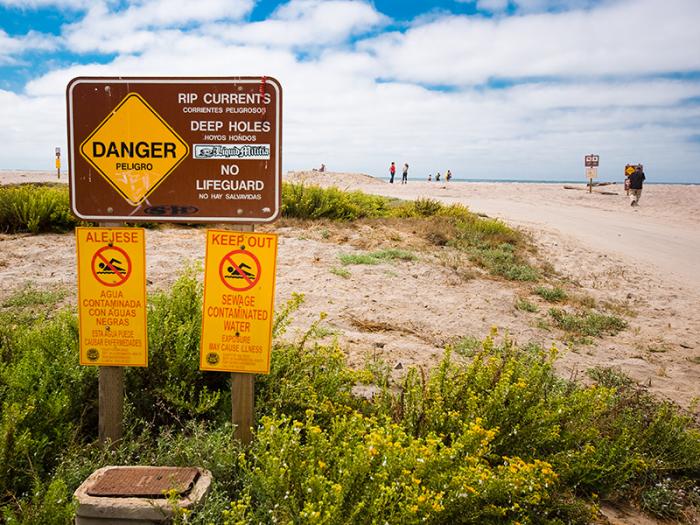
[239,293]
[175,149]
[112,296]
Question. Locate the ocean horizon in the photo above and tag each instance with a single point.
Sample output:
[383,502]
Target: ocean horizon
[538,181]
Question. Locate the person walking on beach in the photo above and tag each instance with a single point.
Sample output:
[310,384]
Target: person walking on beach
[448,176]
[392,172]
[437,177]
[430,177]
[636,182]
[404,175]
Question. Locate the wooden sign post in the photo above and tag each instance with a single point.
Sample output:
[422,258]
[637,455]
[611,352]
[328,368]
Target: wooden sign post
[239,289]
[243,395]
[111,404]
[112,313]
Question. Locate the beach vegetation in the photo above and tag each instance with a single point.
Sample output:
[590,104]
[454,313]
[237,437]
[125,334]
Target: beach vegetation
[467,346]
[586,322]
[340,272]
[30,296]
[524,305]
[301,201]
[35,208]
[583,300]
[489,243]
[495,438]
[551,294]
[376,257]
[503,260]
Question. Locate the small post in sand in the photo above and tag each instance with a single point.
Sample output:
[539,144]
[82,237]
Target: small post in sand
[591,162]
[58,163]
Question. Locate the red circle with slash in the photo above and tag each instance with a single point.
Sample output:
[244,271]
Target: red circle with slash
[239,270]
[111,266]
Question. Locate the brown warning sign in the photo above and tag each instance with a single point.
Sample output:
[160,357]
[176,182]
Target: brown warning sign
[175,149]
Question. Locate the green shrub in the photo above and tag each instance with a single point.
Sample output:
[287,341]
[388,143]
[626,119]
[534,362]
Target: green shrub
[30,296]
[490,243]
[503,260]
[376,257]
[340,272]
[525,306]
[496,438]
[366,470]
[587,323]
[47,401]
[35,208]
[172,387]
[312,202]
[551,294]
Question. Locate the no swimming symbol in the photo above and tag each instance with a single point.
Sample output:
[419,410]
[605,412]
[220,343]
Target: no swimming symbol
[240,270]
[111,266]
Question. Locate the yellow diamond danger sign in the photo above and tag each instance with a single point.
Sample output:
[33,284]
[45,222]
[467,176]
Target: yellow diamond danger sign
[134,149]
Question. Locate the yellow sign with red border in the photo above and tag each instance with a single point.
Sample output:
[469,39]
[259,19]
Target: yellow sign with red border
[239,294]
[112,296]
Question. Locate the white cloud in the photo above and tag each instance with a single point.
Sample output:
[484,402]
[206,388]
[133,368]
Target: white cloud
[635,37]
[305,23]
[492,5]
[13,47]
[139,26]
[35,4]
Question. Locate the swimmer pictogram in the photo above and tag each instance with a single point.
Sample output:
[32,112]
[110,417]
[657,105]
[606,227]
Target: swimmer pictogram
[111,266]
[240,270]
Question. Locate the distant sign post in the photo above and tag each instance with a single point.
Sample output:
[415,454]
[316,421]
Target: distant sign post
[175,149]
[58,163]
[591,163]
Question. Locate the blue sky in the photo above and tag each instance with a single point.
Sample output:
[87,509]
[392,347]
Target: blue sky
[486,88]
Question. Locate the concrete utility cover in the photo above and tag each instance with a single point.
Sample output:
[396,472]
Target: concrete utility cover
[140,482]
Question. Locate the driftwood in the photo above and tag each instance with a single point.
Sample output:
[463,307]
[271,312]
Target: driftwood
[585,188]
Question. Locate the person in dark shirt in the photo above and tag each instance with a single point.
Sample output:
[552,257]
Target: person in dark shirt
[636,182]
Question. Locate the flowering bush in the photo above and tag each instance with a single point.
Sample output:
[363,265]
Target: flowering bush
[369,470]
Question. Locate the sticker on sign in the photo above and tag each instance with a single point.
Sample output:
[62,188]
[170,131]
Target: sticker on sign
[170,149]
[232,151]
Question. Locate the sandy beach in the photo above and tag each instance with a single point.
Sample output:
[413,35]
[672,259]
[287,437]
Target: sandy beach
[639,261]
